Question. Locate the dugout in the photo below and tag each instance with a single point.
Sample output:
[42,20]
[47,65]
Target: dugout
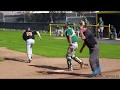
[109,17]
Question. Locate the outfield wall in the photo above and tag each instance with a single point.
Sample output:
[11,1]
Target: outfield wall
[33,26]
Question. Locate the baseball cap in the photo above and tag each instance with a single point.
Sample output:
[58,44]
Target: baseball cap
[69,23]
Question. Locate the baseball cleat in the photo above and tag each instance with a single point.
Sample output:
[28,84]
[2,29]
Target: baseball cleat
[29,61]
[70,69]
[81,64]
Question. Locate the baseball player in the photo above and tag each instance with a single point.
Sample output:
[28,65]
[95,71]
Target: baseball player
[91,43]
[73,45]
[100,28]
[86,21]
[29,37]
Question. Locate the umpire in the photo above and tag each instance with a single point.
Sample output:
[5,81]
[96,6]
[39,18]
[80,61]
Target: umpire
[91,43]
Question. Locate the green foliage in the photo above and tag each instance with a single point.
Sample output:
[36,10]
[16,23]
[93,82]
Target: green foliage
[51,46]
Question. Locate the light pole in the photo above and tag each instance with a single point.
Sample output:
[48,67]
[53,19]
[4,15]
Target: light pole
[3,18]
[24,17]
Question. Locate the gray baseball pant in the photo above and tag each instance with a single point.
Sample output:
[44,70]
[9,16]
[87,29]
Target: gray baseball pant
[94,60]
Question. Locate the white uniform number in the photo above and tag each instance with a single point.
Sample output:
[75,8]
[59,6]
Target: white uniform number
[29,33]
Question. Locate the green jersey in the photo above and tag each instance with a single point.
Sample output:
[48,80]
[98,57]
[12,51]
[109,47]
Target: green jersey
[71,32]
[101,22]
[86,21]
[77,28]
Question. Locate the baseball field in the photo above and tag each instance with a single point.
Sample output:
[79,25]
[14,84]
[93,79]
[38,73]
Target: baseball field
[49,58]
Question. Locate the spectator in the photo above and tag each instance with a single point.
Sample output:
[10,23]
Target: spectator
[119,34]
[113,34]
[56,31]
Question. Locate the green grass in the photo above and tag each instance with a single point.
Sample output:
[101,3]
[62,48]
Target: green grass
[1,60]
[49,46]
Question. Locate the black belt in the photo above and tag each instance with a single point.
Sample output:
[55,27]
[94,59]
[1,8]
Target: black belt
[30,38]
[74,42]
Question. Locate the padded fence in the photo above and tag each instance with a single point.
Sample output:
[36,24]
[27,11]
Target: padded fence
[33,26]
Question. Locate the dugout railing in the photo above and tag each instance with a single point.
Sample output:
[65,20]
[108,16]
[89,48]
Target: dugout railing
[75,25]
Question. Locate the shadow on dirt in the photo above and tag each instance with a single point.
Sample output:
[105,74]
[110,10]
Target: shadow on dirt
[65,72]
[57,70]
[14,59]
[48,67]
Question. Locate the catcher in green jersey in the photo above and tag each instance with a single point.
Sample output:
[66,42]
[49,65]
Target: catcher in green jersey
[73,46]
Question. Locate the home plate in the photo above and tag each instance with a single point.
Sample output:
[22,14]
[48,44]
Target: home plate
[58,70]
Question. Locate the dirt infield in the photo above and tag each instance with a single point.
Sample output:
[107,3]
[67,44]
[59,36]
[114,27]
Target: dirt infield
[15,66]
